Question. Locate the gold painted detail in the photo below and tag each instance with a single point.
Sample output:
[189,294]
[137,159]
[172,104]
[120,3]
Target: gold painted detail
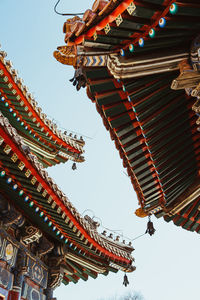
[14,157]
[66,55]
[14,92]
[196,91]
[131,8]
[5,78]
[71,224]
[27,173]
[39,187]
[7,149]
[67,220]
[63,215]
[49,199]
[74,229]
[59,210]
[9,251]
[1,140]
[188,78]
[53,205]
[33,180]
[141,213]
[95,36]
[44,193]
[107,28]
[119,20]
[21,165]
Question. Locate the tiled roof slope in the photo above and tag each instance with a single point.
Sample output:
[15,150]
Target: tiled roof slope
[113,25]
[43,137]
[24,182]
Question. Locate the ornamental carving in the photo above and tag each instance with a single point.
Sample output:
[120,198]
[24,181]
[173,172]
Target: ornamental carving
[195,54]
[189,78]
[31,234]
[66,55]
[92,223]
[69,23]
[44,246]
[37,272]
[55,278]
[9,215]
[55,263]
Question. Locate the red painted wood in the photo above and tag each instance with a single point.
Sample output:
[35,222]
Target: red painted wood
[110,18]
[34,114]
[58,201]
[13,295]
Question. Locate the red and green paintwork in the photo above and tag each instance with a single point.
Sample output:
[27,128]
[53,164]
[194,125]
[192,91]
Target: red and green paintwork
[154,127]
[46,141]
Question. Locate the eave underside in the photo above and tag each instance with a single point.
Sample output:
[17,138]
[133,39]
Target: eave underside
[154,129]
[28,187]
[41,135]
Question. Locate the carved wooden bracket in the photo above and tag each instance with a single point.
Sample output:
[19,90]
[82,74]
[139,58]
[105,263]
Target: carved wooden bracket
[188,77]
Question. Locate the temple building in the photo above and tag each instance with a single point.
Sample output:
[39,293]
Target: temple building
[43,239]
[140,64]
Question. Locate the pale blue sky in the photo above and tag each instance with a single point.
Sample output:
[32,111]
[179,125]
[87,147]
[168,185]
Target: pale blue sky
[167,263]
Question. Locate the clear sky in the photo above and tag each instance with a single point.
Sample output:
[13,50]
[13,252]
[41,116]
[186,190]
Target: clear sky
[167,263]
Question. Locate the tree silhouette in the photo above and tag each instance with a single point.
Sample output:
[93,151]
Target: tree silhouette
[128,296]
[132,296]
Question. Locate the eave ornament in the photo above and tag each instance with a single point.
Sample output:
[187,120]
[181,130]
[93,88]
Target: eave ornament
[66,55]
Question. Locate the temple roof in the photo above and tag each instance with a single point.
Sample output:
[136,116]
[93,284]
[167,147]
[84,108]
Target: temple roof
[28,186]
[131,54]
[133,27]
[155,132]
[42,136]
